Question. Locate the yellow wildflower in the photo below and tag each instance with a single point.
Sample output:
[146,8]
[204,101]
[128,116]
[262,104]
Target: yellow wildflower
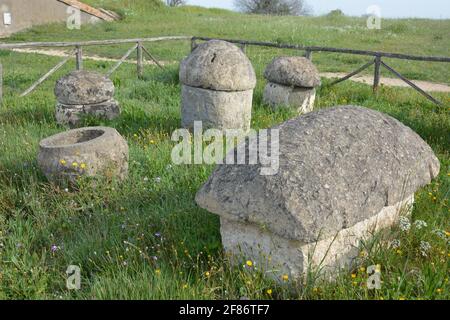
[83,166]
[74,164]
[62,162]
[285,277]
[353,275]
[269,292]
[249,263]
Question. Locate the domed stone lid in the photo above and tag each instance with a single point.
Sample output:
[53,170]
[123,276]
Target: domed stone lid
[218,65]
[338,166]
[83,87]
[293,71]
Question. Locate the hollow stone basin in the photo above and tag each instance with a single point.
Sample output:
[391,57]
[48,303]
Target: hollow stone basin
[91,151]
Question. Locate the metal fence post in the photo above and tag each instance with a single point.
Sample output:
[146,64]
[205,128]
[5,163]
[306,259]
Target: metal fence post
[376,77]
[79,58]
[140,60]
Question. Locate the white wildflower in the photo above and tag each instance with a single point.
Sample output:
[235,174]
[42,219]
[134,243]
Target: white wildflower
[424,248]
[419,224]
[404,224]
[439,233]
[394,244]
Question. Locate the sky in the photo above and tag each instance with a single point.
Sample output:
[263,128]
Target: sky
[434,9]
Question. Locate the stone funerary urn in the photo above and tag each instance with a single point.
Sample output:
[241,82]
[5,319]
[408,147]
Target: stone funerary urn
[217,87]
[82,93]
[292,83]
[344,173]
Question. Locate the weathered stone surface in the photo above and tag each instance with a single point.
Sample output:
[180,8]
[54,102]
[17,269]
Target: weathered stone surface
[338,166]
[218,65]
[91,151]
[84,87]
[279,96]
[72,114]
[216,109]
[282,256]
[293,71]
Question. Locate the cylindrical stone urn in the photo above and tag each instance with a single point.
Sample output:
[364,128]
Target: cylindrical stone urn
[84,93]
[292,83]
[217,87]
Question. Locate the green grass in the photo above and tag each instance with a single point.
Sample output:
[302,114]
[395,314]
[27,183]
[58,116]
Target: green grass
[145,19]
[112,230]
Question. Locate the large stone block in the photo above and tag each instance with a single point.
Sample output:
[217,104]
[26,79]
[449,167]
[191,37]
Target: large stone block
[91,151]
[282,256]
[341,170]
[278,96]
[216,109]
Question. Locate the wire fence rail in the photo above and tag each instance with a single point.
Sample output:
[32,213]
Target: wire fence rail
[141,50]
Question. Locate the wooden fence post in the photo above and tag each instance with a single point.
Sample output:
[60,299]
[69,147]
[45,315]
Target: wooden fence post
[308,55]
[376,77]
[79,57]
[140,60]
[244,48]
[1,84]
[193,44]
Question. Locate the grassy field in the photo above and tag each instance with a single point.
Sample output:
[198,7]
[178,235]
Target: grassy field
[146,238]
[144,19]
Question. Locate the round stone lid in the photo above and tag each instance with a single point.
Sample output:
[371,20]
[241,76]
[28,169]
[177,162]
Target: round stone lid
[293,71]
[218,65]
[84,87]
[337,167]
